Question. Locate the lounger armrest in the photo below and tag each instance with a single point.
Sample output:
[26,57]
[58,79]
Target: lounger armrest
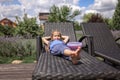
[117,39]
[38,47]
[90,43]
[117,42]
[85,36]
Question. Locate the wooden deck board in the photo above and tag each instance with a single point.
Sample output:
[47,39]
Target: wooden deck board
[16,71]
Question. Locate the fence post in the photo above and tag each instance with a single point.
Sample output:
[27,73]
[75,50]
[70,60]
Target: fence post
[90,45]
[38,47]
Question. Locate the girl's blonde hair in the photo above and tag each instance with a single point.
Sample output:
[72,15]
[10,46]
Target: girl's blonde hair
[54,32]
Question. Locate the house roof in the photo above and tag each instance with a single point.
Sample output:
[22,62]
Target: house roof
[43,16]
[7,20]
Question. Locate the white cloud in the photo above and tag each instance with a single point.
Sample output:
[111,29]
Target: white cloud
[33,7]
[75,1]
[5,1]
[10,11]
[104,7]
[90,11]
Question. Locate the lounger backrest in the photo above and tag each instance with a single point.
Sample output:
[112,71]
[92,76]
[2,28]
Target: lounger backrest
[103,38]
[66,28]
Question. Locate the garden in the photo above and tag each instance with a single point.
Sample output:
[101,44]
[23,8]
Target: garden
[14,48]
[19,43]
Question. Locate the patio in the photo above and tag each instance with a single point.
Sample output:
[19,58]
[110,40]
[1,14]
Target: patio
[16,71]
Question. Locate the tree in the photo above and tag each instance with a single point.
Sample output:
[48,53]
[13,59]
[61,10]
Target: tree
[92,17]
[28,27]
[116,17]
[96,18]
[86,17]
[62,14]
[6,30]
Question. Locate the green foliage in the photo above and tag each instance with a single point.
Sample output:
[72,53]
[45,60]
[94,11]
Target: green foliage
[62,14]
[77,26]
[29,59]
[92,17]
[109,22]
[14,48]
[28,27]
[116,17]
[4,60]
[96,18]
[6,30]
[86,17]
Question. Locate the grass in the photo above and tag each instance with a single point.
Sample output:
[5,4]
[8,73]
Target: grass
[78,36]
[29,59]
[26,59]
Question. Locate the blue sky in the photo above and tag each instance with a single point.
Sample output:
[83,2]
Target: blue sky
[12,8]
[85,3]
[10,2]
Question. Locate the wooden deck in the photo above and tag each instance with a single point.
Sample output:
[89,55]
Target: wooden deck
[16,71]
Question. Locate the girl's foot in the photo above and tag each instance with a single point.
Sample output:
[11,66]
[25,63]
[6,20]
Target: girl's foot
[76,56]
[78,53]
[74,60]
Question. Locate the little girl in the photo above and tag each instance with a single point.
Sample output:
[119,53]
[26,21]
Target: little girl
[58,47]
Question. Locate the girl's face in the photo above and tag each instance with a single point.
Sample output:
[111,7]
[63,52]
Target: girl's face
[56,36]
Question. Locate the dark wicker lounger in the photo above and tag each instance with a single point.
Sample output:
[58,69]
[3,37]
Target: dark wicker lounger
[51,67]
[103,41]
[55,68]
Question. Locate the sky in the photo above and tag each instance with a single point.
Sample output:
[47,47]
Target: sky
[11,8]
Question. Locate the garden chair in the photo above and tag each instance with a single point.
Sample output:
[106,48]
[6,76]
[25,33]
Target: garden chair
[103,42]
[49,67]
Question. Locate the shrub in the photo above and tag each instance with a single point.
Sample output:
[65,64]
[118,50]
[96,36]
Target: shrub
[15,47]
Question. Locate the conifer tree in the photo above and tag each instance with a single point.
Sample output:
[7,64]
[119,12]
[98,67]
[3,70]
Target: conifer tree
[116,17]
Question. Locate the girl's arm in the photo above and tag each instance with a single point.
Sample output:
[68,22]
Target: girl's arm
[65,38]
[46,39]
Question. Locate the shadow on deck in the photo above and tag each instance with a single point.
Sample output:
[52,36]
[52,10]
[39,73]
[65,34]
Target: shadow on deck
[16,71]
